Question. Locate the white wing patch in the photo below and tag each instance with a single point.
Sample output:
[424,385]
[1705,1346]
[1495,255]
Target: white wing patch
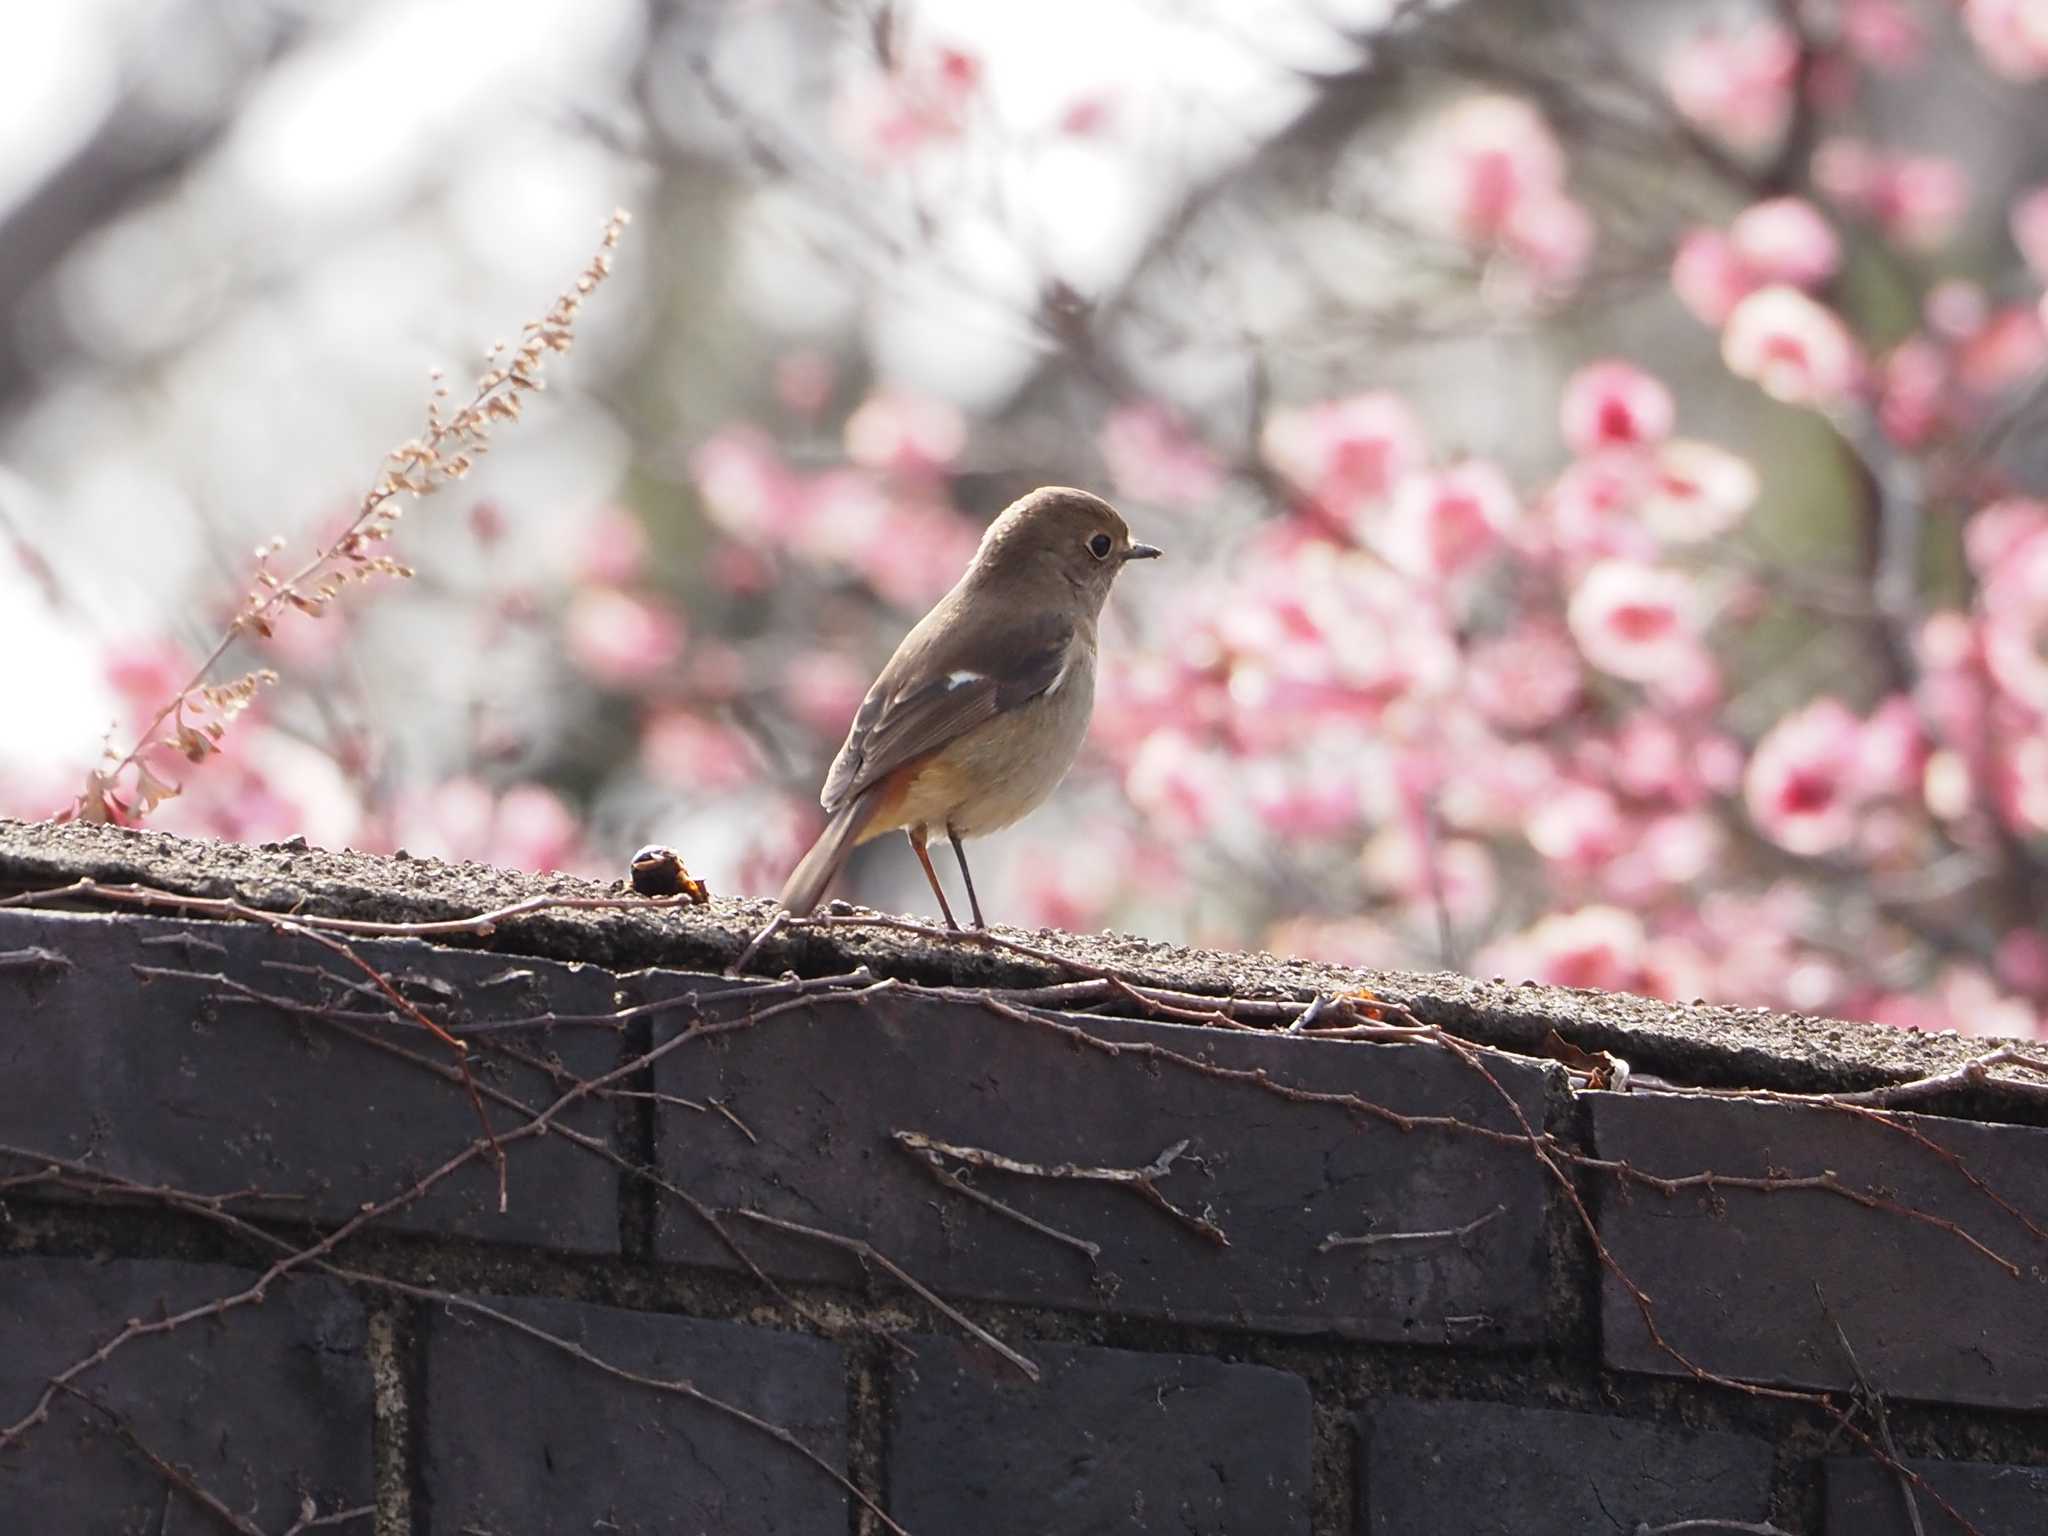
[962,679]
[1060,677]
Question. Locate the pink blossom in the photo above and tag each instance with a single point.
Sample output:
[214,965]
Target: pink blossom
[1690,686]
[1916,200]
[1697,491]
[2029,223]
[619,639]
[2015,630]
[1180,783]
[823,690]
[1352,941]
[1801,784]
[486,522]
[1793,348]
[1736,83]
[1995,535]
[1362,638]
[1577,826]
[1846,170]
[1675,968]
[263,785]
[843,515]
[1345,454]
[1956,310]
[535,829]
[1785,240]
[696,755]
[1614,404]
[738,569]
[1681,847]
[1397,862]
[905,434]
[2021,961]
[1488,173]
[1069,880]
[1634,621]
[528,826]
[145,673]
[1708,276]
[2022,781]
[748,491]
[1525,679]
[1479,160]
[1441,522]
[1913,401]
[1963,999]
[919,553]
[1920,201]
[2010,349]
[1652,760]
[1884,35]
[1153,457]
[1594,509]
[888,117]
[1596,946]
[2012,35]
[1551,237]
[1314,797]
[1087,116]
[613,547]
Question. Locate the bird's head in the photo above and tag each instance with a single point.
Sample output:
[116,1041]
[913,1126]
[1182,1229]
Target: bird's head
[1057,530]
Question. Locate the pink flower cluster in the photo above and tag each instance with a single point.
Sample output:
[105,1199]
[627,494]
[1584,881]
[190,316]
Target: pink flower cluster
[884,520]
[2012,36]
[1736,82]
[1754,282]
[1488,174]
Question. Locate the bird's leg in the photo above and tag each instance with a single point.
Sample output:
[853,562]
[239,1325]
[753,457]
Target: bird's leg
[961,854]
[916,835]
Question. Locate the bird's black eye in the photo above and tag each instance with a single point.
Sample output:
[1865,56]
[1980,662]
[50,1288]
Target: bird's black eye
[1099,546]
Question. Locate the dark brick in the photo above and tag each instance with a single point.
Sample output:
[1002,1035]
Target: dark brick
[1863,1499]
[265,1405]
[523,1437]
[824,1089]
[1733,1275]
[1483,1469]
[159,1081]
[1108,1440]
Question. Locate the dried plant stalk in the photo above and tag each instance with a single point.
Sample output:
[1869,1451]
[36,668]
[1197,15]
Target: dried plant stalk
[126,788]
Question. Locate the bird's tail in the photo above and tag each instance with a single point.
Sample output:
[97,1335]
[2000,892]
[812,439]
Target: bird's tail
[815,871]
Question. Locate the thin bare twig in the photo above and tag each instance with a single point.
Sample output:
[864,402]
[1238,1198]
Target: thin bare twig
[1373,1239]
[1139,1180]
[867,1253]
[173,1475]
[935,1165]
[1873,1400]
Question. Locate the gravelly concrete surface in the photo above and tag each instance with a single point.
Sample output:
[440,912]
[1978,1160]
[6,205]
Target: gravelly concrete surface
[1684,1043]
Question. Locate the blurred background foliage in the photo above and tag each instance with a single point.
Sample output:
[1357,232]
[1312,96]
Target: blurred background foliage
[1593,441]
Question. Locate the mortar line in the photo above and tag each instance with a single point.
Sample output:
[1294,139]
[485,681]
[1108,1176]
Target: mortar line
[866,1431]
[395,1426]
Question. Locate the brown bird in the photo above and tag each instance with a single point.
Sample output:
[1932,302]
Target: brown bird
[978,715]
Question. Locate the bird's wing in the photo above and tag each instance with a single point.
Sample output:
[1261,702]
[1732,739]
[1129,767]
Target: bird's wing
[926,698]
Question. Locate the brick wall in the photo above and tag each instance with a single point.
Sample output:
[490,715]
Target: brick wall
[777,1254]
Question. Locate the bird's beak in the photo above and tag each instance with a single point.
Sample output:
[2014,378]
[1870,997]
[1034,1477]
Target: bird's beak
[1143,552]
